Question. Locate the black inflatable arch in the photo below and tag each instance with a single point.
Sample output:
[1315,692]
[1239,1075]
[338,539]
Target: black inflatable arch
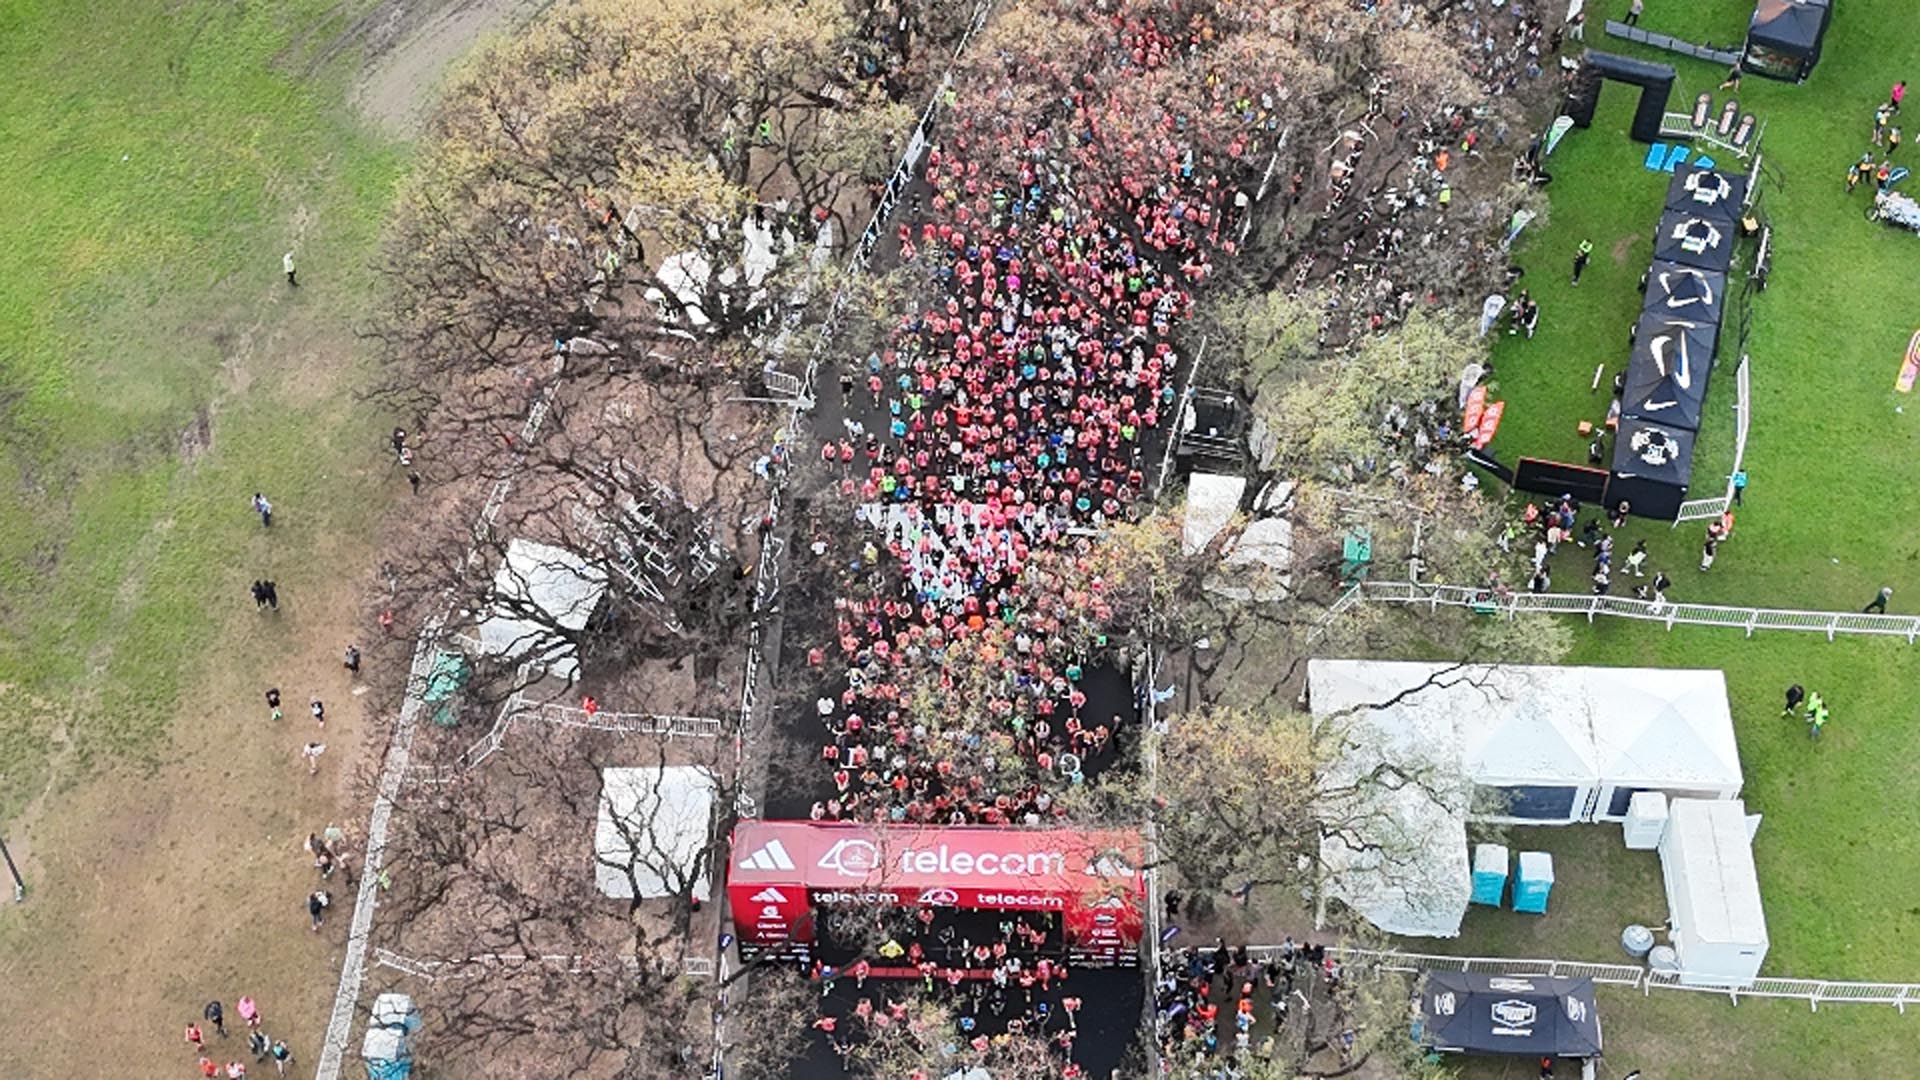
[1654,80]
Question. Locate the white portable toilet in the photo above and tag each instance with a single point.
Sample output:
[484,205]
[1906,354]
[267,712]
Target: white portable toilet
[1646,820]
[1719,928]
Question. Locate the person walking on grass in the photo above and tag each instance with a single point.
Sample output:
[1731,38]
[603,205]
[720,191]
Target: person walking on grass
[1893,141]
[249,1012]
[1633,12]
[1707,552]
[216,1016]
[1898,94]
[1854,175]
[319,709]
[208,1069]
[257,1044]
[351,661]
[194,1042]
[282,1057]
[1661,583]
[1580,256]
[1878,605]
[312,752]
[1638,558]
[1795,695]
[1739,486]
[264,508]
[259,591]
[286,263]
[273,702]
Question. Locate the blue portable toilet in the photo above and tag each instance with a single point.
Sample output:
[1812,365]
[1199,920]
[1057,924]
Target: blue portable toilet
[1489,874]
[1534,881]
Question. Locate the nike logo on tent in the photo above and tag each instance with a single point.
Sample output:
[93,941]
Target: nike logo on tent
[1656,406]
[771,857]
[1684,374]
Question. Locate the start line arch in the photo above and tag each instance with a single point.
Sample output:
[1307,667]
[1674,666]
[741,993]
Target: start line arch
[783,874]
[1654,80]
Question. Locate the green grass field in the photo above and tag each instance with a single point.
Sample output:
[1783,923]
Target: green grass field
[1828,455]
[157,161]
[1826,523]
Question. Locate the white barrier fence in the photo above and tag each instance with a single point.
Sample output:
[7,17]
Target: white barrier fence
[1815,992]
[471,967]
[1670,613]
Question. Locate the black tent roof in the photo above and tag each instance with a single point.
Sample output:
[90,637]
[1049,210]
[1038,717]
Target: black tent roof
[1510,1014]
[1707,193]
[1695,240]
[1685,292]
[1667,374]
[1788,25]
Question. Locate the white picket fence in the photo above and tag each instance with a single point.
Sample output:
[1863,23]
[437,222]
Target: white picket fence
[1815,992]
[1670,614]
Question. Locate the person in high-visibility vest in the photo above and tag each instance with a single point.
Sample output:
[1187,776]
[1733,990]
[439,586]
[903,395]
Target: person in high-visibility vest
[1816,715]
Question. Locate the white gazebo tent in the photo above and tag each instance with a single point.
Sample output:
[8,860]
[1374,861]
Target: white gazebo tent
[1719,930]
[1405,870]
[1558,745]
[1212,500]
[1524,744]
[538,588]
[654,827]
[1670,732]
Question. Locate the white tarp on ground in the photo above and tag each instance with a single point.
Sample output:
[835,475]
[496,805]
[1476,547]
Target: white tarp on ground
[1559,744]
[1398,855]
[1212,500]
[538,588]
[653,830]
[1713,894]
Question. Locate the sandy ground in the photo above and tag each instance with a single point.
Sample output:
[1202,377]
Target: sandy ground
[411,45]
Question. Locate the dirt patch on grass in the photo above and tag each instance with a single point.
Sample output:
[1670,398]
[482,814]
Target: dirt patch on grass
[1621,249]
[409,46]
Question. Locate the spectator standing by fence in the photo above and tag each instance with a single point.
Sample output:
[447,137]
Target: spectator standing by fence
[1634,10]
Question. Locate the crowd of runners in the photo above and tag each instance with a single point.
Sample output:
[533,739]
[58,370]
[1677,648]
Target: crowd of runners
[1009,412]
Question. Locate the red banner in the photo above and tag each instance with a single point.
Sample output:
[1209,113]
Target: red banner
[1489,424]
[1476,402]
[780,871]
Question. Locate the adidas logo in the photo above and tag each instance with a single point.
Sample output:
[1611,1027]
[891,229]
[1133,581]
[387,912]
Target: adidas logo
[773,856]
[769,895]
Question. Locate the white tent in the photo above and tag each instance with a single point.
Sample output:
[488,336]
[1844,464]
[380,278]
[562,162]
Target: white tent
[1556,745]
[1212,500]
[1676,737]
[1522,745]
[653,829]
[1405,869]
[1258,563]
[538,588]
[1713,894]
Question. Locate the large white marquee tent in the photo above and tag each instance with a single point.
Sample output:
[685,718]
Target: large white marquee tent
[1398,851]
[1553,745]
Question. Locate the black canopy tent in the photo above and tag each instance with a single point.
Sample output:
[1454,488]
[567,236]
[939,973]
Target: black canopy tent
[1707,193]
[1784,37]
[1667,374]
[1690,239]
[1685,292]
[1471,1013]
[1652,464]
